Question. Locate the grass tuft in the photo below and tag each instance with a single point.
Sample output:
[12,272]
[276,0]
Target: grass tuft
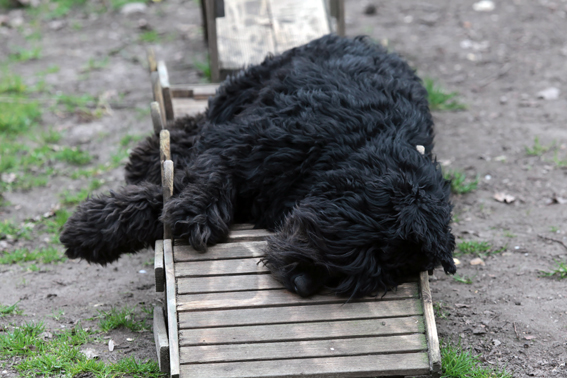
[537,149]
[439,99]
[204,68]
[458,363]
[46,255]
[465,280]
[459,182]
[477,248]
[151,36]
[116,318]
[10,310]
[560,271]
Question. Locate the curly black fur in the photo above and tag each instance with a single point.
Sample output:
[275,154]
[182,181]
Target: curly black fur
[317,144]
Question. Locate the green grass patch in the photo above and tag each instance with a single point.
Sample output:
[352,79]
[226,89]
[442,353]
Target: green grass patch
[70,199]
[53,225]
[116,318]
[463,279]
[537,149]
[10,310]
[46,255]
[11,230]
[204,68]
[439,99]
[73,103]
[151,36]
[459,182]
[23,55]
[59,354]
[17,112]
[477,248]
[73,155]
[560,271]
[95,64]
[458,363]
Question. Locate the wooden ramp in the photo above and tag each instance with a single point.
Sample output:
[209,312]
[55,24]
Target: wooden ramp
[225,316]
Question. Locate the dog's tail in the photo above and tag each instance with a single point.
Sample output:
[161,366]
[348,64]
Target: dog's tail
[104,227]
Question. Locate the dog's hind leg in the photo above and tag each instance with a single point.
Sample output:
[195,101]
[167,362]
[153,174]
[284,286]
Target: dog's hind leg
[204,209]
[104,227]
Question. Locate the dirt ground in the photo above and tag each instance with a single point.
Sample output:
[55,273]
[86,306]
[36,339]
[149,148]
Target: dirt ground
[497,60]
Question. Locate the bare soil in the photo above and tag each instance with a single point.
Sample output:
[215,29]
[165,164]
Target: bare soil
[496,60]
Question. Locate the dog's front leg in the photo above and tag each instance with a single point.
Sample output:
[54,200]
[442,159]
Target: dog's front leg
[203,210]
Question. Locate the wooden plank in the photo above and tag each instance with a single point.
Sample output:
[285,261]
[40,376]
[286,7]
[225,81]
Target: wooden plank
[248,235]
[220,251]
[430,326]
[219,284]
[212,40]
[197,91]
[161,340]
[338,13]
[406,364]
[245,34]
[167,189]
[171,298]
[151,56]
[158,94]
[159,270]
[278,298]
[303,349]
[302,331]
[166,91]
[220,267]
[242,226]
[297,22]
[157,119]
[188,106]
[299,314]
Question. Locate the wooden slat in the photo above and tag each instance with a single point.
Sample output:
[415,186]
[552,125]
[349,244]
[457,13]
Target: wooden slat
[151,56]
[303,349]
[430,326]
[158,94]
[220,251]
[242,226]
[171,298]
[212,40]
[167,190]
[188,106]
[338,12]
[275,298]
[299,314]
[159,270]
[166,91]
[161,340]
[245,34]
[157,119]
[297,22]
[407,364]
[248,235]
[196,91]
[302,331]
[202,285]
[219,267]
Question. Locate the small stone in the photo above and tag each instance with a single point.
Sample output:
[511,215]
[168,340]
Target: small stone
[8,178]
[143,24]
[370,9]
[503,100]
[90,354]
[496,342]
[477,261]
[479,331]
[456,261]
[518,303]
[484,6]
[57,25]
[551,93]
[133,8]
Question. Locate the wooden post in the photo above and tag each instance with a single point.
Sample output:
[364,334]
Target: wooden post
[338,12]
[161,340]
[158,95]
[157,119]
[159,271]
[151,56]
[165,90]
[170,288]
[430,326]
[166,181]
[210,9]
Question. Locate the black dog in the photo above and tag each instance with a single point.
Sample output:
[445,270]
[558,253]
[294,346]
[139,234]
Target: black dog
[317,144]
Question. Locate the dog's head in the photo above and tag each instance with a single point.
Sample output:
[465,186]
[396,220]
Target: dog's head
[366,225]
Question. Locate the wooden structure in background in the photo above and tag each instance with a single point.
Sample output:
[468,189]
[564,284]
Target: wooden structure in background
[225,316]
[243,32]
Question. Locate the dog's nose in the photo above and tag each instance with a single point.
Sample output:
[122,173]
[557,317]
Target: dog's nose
[304,285]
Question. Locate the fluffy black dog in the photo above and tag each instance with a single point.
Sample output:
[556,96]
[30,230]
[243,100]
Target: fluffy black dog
[317,144]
